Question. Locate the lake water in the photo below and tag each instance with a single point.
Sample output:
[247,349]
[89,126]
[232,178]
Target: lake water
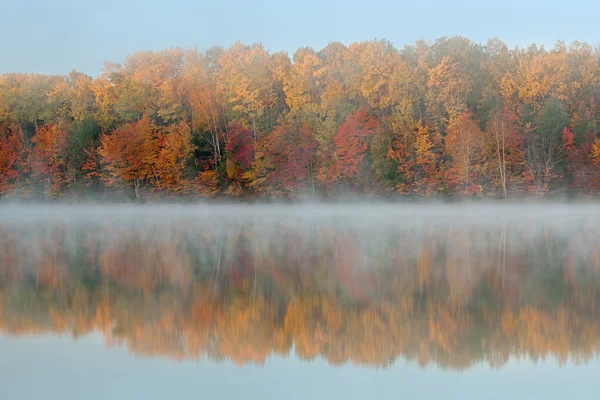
[304,301]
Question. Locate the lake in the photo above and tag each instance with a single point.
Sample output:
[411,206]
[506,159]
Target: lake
[299,301]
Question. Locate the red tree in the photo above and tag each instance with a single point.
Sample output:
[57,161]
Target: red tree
[48,159]
[288,161]
[406,167]
[240,149]
[12,158]
[351,143]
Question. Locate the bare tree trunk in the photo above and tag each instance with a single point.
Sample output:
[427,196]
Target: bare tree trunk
[156,179]
[464,141]
[501,153]
[136,189]
[216,144]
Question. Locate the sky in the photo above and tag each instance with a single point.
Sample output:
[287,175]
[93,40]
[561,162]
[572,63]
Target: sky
[57,36]
[58,368]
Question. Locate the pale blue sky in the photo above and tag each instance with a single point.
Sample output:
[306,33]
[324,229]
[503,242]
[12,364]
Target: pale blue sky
[56,36]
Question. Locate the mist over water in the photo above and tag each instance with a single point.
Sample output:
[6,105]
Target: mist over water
[375,286]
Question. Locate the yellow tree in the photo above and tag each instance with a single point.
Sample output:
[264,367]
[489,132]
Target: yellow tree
[82,99]
[464,143]
[26,98]
[163,74]
[205,102]
[104,99]
[4,99]
[245,79]
[175,153]
[151,83]
[542,74]
[301,86]
[333,77]
[129,98]
[427,169]
[448,87]
[372,65]
[71,98]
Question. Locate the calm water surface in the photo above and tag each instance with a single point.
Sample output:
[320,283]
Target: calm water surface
[378,301]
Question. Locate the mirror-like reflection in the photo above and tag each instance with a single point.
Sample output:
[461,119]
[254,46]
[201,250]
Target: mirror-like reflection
[449,286]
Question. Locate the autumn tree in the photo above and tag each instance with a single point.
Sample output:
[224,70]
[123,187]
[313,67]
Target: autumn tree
[584,165]
[240,149]
[405,167]
[71,98]
[49,159]
[351,166]
[544,145]
[129,155]
[371,65]
[149,83]
[176,149]
[82,141]
[245,78]
[301,81]
[448,87]
[13,165]
[26,97]
[285,162]
[464,143]
[207,110]
[542,75]
[504,152]
[427,169]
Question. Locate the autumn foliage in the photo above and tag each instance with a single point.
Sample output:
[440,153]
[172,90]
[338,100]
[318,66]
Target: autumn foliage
[448,118]
[12,158]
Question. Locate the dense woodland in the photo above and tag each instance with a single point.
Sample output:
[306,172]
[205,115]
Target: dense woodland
[450,118]
[450,295]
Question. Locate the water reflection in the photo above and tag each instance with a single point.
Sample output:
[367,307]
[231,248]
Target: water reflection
[451,287]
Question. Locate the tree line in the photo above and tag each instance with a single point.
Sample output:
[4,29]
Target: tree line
[448,118]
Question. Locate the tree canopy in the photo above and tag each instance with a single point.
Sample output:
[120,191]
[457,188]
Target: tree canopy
[447,118]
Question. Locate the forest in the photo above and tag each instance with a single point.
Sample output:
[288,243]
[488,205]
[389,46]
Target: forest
[449,118]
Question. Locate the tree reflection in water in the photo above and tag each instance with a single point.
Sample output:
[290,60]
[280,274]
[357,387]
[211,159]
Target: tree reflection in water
[442,290]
